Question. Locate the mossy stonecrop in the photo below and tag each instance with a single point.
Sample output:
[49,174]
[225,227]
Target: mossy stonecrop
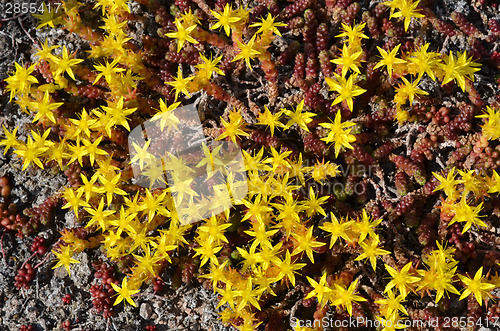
[280,222]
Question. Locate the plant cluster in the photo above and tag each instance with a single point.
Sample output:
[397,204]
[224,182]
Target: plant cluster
[313,220]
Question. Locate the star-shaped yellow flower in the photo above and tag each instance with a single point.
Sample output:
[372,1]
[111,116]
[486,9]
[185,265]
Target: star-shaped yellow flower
[346,89]
[64,257]
[182,34]
[477,286]
[180,83]
[225,19]
[124,293]
[247,52]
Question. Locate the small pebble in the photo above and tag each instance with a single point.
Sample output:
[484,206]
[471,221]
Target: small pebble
[145,311]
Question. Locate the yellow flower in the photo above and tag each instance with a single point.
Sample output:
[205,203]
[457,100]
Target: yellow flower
[248,295]
[339,134]
[234,127]
[208,67]
[247,51]
[288,269]
[465,213]
[108,71]
[147,262]
[99,215]
[319,290]
[225,19]
[64,257]
[448,183]
[180,84]
[268,25]
[494,186]
[408,90]
[338,229]
[20,82]
[10,139]
[365,227]
[207,251]
[182,34]
[458,68]
[49,17]
[426,62]
[402,279]
[74,201]
[271,120]
[401,115]
[346,89]
[109,186]
[306,243]
[45,53]
[166,116]
[477,286]
[407,9]
[392,304]
[354,34]
[82,125]
[30,153]
[124,293]
[64,64]
[298,117]
[491,129]
[371,251]
[349,60]
[113,26]
[346,296]
[313,204]
[389,59]
[117,115]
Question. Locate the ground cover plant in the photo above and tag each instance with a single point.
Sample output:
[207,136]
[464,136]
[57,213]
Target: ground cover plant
[367,133]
